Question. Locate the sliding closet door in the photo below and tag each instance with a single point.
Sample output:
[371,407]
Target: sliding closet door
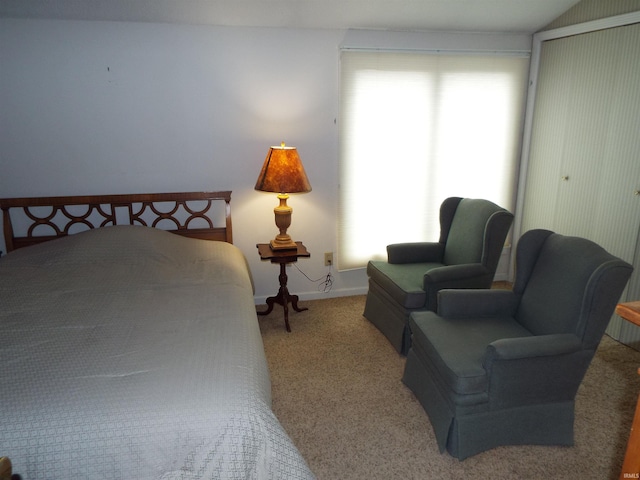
[584,165]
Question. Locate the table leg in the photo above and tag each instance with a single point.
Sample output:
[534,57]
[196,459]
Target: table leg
[283,298]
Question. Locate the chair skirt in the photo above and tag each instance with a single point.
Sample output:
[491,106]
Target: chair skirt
[465,430]
[389,317]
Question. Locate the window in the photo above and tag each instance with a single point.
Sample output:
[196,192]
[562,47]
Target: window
[416,129]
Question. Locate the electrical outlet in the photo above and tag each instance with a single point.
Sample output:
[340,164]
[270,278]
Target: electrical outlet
[328,259]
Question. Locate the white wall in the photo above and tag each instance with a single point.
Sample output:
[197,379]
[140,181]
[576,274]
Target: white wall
[107,107]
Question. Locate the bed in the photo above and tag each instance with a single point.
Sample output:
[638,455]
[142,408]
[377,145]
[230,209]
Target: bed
[130,344]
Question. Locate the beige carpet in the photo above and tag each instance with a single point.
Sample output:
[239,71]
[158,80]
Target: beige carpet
[337,391]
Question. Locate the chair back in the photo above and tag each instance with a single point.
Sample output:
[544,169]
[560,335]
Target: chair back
[477,233]
[567,285]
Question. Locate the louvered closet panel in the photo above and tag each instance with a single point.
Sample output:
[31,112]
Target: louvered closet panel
[551,115]
[584,165]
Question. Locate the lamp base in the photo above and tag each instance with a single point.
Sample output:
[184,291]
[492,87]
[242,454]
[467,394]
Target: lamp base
[280,245]
[283,221]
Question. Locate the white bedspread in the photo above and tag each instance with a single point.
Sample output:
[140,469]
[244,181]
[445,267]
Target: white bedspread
[129,352]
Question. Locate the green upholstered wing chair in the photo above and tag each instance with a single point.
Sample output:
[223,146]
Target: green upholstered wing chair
[502,367]
[472,235]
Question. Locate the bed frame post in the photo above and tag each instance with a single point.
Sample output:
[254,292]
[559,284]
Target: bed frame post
[7,228]
[227,214]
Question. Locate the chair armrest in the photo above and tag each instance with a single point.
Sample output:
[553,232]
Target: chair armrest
[532,370]
[459,274]
[483,302]
[531,347]
[417,252]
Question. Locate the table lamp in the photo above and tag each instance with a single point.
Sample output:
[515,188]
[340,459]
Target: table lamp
[283,173]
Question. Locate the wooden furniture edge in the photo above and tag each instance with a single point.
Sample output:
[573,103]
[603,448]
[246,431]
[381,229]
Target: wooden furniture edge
[630,311]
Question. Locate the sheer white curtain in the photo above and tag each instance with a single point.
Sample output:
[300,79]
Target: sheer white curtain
[416,129]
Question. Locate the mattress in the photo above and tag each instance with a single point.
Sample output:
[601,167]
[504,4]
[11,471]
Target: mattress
[130,352]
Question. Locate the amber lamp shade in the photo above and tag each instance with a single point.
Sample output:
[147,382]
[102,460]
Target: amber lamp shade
[283,173]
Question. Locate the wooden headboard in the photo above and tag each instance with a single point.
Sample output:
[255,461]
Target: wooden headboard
[32,220]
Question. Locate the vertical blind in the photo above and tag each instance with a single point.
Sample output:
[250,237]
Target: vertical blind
[418,128]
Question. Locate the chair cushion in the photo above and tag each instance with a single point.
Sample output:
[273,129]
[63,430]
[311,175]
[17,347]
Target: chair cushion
[459,364]
[403,282]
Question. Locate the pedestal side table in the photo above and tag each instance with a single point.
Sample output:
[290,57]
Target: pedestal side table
[283,258]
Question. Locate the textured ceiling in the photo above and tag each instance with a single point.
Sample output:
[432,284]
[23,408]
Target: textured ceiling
[521,16]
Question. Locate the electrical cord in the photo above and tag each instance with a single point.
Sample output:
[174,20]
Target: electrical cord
[325,283]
